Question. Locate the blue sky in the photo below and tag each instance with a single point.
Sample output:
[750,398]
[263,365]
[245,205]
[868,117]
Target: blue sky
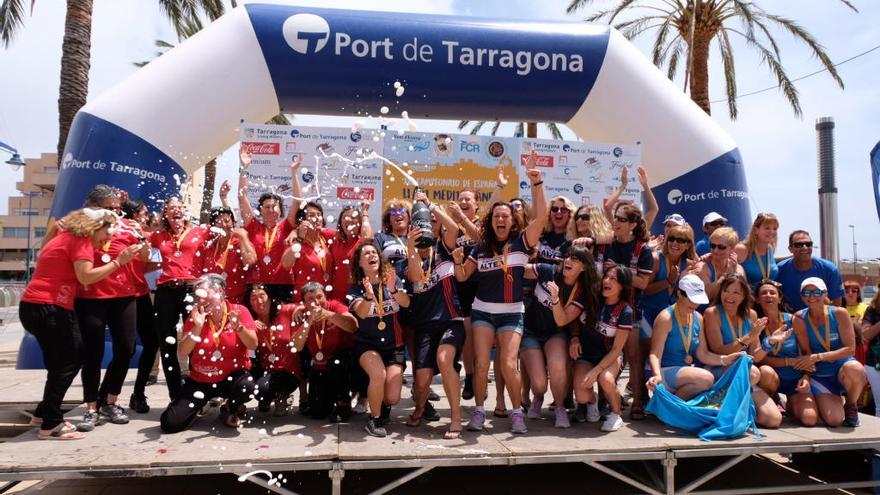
[778,149]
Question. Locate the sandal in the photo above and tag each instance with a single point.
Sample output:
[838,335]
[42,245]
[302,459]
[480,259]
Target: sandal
[452,435]
[414,421]
[636,412]
[64,431]
[500,413]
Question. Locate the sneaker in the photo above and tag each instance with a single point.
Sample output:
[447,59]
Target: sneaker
[535,408]
[375,427]
[468,392]
[152,380]
[429,413]
[851,415]
[385,413]
[281,408]
[478,420]
[138,404]
[518,422]
[114,413]
[580,413]
[264,405]
[360,407]
[432,396]
[562,418]
[90,420]
[612,423]
[569,403]
[593,415]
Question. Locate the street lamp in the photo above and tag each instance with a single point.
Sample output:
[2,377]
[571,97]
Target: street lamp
[855,255]
[16,163]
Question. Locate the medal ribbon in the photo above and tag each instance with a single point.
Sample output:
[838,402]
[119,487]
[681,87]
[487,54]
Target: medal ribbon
[319,337]
[574,292]
[216,333]
[225,258]
[685,339]
[402,245]
[503,261]
[738,329]
[322,256]
[269,238]
[765,271]
[826,342]
[768,332]
[427,274]
[179,240]
[380,309]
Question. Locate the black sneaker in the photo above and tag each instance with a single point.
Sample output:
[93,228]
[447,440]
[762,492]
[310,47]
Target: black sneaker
[429,413]
[385,413]
[114,414]
[90,420]
[468,392]
[375,427]
[336,415]
[433,395]
[138,404]
[580,414]
[152,379]
[568,403]
[851,415]
[264,405]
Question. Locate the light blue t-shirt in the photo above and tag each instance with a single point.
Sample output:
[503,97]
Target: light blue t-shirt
[791,278]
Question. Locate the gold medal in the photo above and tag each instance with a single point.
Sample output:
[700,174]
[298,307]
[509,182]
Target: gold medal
[216,355]
[688,359]
[177,254]
[273,358]
[381,325]
[319,356]
[267,259]
[105,258]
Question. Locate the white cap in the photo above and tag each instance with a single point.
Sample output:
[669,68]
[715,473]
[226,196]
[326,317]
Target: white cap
[818,282]
[674,218]
[712,216]
[694,288]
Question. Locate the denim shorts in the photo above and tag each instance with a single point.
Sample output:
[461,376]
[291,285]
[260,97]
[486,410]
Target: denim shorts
[669,375]
[530,342]
[500,322]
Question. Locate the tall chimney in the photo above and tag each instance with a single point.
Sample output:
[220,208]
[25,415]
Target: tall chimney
[827,189]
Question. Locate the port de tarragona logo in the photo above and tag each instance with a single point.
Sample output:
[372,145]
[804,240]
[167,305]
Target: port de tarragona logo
[674,196]
[306,33]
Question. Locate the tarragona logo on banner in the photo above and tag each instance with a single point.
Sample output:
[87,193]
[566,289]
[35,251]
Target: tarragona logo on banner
[339,167]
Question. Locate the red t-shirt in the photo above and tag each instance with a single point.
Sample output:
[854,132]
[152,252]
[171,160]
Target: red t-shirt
[308,267]
[343,251]
[271,272]
[54,280]
[120,283]
[333,339]
[207,367]
[227,262]
[136,270]
[274,350]
[179,267]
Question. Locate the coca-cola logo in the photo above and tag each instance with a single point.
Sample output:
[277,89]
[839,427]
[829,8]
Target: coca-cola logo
[262,148]
[545,161]
[355,193]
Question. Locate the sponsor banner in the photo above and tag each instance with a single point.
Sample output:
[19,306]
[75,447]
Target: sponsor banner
[453,66]
[719,185]
[335,169]
[120,159]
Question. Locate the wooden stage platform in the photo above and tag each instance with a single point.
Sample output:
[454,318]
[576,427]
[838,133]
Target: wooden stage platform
[294,443]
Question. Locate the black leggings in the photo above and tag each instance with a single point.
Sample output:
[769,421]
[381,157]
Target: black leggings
[331,386]
[146,330]
[170,308]
[57,331]
[276,385]
[120,315]
[185,408]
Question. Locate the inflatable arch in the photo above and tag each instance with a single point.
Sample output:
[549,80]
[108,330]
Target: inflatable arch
[167,119]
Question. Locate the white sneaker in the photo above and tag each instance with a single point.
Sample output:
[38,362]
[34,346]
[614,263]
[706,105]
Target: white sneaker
[593,413]
[562,418]
[612,423]
[535,408]
[360,407]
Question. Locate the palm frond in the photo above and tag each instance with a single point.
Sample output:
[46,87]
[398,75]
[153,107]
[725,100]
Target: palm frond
[660,44]
[554,130]
[575,5]
[674,58]
[11,19]
[476,128]
[729,73]
[462,124]
[846,2]
[775,66]
[801,34]
[279,119]
[496,127]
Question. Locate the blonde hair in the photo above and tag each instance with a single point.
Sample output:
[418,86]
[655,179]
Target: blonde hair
[678,231]
[570,233]
[727,234]
[751,241]
[82,223]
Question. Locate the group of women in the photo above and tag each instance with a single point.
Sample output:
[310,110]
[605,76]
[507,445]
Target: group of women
[564,297]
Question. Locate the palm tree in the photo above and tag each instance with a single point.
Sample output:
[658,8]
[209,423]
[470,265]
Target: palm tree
[686,28]
[76,47]
[527,129]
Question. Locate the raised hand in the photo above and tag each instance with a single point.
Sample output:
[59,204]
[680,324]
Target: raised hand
[420,196]
[553,289]
[412,237]
[624,177]
[458,255]
[454,211]
[781,334]
[643,178]
[502,179]
[531,161]
[391,281]
[128,253]
[368,288]
[295,163]
[225,188]
[198,316]
[244,158]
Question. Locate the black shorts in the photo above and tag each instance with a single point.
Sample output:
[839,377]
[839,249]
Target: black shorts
[389,356]
[466,292]
[430,336]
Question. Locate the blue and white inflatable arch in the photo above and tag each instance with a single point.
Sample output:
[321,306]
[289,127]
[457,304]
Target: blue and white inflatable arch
[146,133]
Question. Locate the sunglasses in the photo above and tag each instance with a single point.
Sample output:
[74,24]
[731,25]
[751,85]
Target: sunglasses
[583,216]
[716,223]
[621,219]
[852,290]
[720,247]
[516,206]
[558,209]
[397,211]
[801,245]
[679,240]
[812,293]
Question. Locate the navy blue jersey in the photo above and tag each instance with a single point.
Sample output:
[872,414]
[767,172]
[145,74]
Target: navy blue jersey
[637,256]
[539,320]
[435,297]
[597,341]
[550,248]
[500,291]
[368,332]
[393,249]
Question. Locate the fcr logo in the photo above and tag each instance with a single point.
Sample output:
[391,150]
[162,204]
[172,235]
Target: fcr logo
[617,151]
[306,33]
[355,136]
[578,188]
[523,185]
[308,176]
[674,196]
